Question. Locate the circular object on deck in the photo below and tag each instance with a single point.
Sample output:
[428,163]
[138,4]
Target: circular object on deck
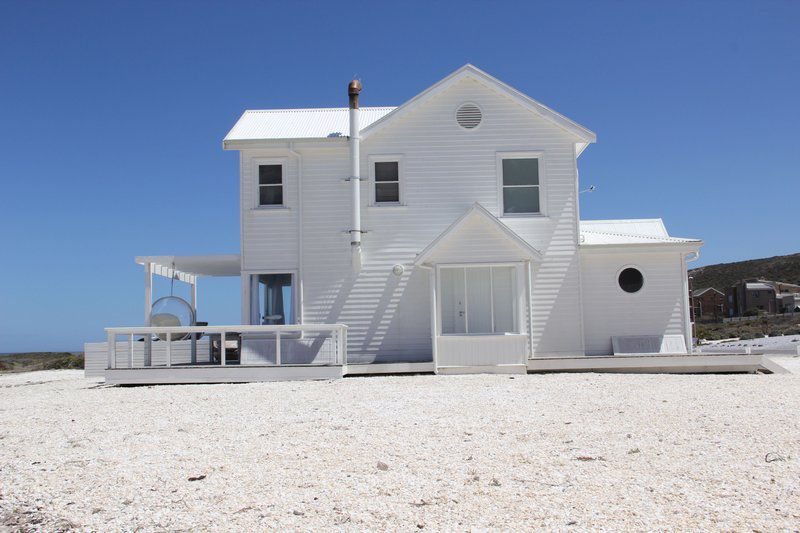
[171,311]
[398,270]
[630,280]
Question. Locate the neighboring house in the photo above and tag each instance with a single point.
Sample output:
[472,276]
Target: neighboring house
[789,302]
[759,295]
[445,230]
[708,304]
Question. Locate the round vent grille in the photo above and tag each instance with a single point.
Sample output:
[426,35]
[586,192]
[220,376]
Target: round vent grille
[469,116]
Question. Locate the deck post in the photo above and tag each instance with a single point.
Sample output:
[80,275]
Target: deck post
[169,349]
[222,348]
[341,353]
[148,304]
[112,349]
[194,311]
[130,351]
[278,348]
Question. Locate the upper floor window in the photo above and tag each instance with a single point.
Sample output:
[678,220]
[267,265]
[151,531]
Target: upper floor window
[520,186]
[270,185]
[386,176]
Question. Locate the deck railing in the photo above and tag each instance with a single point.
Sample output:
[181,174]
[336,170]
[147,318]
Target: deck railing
[307,344]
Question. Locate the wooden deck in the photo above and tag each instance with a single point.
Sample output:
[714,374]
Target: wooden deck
[658,364]
[220,374]
[639,363]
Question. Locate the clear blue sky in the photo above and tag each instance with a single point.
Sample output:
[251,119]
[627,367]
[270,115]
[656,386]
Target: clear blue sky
[112,116]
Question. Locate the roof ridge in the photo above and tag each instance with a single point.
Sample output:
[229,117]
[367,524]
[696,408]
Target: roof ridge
[308,109]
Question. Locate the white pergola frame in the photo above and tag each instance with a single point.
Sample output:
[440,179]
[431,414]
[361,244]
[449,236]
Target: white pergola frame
[187,268]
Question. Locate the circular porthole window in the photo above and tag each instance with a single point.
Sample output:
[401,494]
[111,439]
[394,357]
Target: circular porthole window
[469,116]
[630,280]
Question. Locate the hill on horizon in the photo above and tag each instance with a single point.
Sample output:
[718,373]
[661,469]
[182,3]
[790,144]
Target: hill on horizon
[784,268]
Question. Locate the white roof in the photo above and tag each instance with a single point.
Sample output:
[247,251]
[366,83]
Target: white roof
[631,231]
[759,287]
[280,124]
[194,265]
[333,123]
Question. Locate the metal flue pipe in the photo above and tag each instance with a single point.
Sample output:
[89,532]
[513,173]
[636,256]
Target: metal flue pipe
[353,90]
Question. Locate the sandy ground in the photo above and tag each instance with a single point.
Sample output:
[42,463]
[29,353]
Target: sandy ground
[566,451]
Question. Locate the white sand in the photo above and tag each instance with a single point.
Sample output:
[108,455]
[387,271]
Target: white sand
[553,451]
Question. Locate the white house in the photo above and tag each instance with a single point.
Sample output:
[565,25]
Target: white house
[444,232]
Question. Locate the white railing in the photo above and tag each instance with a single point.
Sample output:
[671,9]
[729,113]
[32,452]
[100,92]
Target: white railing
[148,347]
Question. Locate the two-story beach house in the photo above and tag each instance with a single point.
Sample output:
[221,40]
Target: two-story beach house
[442,235]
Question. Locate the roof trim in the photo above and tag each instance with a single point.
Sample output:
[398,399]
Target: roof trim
[478,210]
[471,71]
[700,292]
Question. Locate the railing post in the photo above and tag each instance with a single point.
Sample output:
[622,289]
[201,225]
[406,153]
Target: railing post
[130,351]
[222,348]
[344,345]
[278,348]
[169,349]
[112,349]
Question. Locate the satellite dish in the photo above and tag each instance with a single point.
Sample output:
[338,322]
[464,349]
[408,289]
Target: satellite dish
[171,311]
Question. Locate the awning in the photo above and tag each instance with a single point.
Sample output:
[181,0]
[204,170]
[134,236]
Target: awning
[188,267]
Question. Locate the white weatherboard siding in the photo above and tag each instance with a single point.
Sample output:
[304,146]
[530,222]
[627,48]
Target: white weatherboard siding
[269,234]
[657,309]
[445,171]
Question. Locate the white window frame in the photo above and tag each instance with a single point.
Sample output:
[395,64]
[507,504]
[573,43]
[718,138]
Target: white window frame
[257,162]
[518,302]
[527,154]
[252,297]
[387,158]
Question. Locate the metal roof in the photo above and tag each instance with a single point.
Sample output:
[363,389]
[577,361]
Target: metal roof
[280,124]
[632,231]
[759,287]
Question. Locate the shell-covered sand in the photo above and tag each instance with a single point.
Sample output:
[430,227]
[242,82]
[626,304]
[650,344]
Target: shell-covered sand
[562,451]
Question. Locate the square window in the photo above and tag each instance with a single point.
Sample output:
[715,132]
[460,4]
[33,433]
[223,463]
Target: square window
[270,196]
[387,171]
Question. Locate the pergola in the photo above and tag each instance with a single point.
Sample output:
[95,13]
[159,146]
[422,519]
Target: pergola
[186,268]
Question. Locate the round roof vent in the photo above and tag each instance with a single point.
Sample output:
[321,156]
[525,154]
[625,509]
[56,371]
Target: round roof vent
[469,116]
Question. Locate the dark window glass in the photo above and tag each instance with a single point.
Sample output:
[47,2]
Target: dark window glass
[387,171]
[387,192]
[270,174]
[631,280]
[271,195]
[387,182]
[520,200]
[520,172]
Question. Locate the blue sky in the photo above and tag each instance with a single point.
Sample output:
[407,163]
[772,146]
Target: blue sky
[112,116]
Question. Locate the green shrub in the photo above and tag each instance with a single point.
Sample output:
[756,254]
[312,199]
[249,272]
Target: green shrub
[64,362]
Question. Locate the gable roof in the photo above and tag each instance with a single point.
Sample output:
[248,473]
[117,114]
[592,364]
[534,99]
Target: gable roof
[630,231]
[291,124]
[473,72]
[700,292]
[333,123]
[477,210]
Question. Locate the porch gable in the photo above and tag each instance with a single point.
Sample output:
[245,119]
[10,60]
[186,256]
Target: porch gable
[477,236]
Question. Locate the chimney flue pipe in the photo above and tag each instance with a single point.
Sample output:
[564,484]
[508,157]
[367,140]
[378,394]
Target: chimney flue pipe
[353,90]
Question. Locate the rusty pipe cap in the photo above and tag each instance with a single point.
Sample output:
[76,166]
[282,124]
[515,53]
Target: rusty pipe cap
[354,87]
